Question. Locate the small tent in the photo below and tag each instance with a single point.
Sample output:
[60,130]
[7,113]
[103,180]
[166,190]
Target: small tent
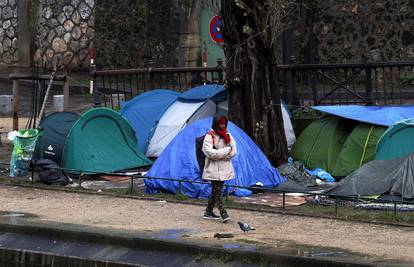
[377,177]
[102,141]
[144,111]
[359,148]
[194,104]
[55,128]
[157,116]
[320,143]
[397,141]
[179,161]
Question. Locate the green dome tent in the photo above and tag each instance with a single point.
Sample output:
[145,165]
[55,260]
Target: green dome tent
[397,141]
[102,141]
[359,148]
[320,143]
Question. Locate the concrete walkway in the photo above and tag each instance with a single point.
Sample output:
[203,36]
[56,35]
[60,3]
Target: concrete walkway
[308,237]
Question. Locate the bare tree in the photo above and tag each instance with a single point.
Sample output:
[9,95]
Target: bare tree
[251,29]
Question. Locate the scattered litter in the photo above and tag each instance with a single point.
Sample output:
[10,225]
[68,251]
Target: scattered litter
[385,206]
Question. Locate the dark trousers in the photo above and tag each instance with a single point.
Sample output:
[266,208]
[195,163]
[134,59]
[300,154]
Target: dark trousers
[216,197]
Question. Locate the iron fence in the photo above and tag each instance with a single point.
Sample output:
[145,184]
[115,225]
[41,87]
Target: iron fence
[114,86]
[386,83]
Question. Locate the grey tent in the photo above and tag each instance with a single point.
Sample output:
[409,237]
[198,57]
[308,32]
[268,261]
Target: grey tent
[377,177]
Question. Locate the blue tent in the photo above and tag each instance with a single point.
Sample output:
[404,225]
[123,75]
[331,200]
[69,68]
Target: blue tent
[179,161]
[144,111]
[385,115]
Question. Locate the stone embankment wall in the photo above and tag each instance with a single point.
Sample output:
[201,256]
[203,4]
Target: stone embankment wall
[65,32]
[8,32]
[340,31]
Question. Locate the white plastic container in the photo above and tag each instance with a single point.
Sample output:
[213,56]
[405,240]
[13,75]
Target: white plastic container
[58,101]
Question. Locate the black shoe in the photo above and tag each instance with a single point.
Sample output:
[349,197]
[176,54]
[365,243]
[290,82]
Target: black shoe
[209,215]
[224,217]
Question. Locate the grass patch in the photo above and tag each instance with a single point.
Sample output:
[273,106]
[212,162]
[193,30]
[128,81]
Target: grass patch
[351,213]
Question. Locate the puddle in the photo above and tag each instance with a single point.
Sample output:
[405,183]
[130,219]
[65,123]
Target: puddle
[172,233]
[231,246]
[15,215]
[321,253]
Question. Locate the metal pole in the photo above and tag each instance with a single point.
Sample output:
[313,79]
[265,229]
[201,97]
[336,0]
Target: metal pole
[284,201]
[15,104]
[368,84]
[131,190]
[336,206]
[395,209]
[179,187]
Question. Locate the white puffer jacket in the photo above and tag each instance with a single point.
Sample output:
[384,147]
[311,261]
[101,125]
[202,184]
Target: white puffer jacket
[218,165]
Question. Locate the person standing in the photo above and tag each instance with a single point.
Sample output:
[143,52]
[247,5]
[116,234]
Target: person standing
[219,148]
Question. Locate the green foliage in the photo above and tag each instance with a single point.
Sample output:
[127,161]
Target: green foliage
[305,112]
[407,79]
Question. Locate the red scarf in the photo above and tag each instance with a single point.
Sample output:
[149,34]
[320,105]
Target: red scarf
[224,134]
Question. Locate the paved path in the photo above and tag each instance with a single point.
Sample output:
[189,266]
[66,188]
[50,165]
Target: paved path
[386,242]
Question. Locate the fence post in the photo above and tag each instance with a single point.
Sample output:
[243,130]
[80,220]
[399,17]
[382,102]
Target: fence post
[368,84]
[94,86]
[66,93]
[284,201]
[15,104]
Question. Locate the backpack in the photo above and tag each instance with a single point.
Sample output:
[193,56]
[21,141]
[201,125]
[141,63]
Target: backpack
[201,157]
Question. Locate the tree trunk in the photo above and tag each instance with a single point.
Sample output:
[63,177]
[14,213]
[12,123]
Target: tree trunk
[254,95]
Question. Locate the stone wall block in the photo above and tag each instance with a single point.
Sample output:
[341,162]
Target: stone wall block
[67,58]
[59,45]
[67,37]
[76,17]
[12,2]
[6,44]
[6,24]
[10,32]
[68,10]
[74,46]
[61,18]
[68,25]
[14,43]
[47,12]
[60,31]
[1,48]
[51,36]
[2,33]
[84,11]
[75,3]
[76,33]
[91,3]
[50,53]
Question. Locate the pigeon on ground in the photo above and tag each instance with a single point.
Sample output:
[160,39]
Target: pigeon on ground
[245,227]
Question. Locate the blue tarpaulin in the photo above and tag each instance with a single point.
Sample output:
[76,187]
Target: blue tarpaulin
[179,161]
[217,92]
[378,115]
[144,111]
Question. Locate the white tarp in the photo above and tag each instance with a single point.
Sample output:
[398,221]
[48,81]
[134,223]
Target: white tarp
[223,108]
[174,119]
[287,124]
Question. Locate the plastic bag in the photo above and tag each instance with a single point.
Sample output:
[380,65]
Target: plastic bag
[24,145]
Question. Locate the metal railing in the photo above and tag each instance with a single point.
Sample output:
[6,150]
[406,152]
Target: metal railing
[385,83]
[111,87]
